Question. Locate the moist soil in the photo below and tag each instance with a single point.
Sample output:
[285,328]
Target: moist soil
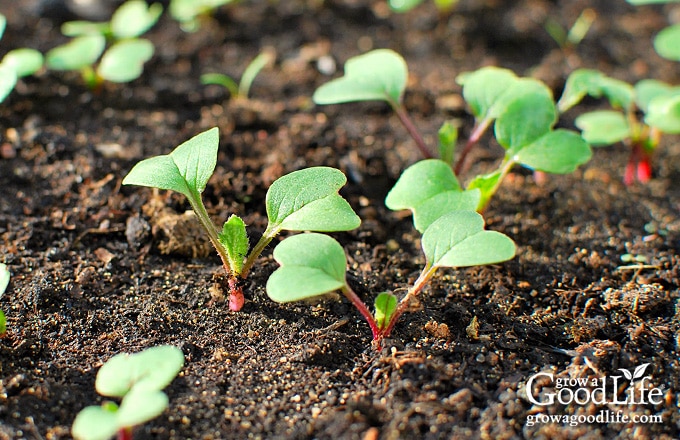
[99,269]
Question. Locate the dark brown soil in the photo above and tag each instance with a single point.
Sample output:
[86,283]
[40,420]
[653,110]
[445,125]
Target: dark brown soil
[89,279]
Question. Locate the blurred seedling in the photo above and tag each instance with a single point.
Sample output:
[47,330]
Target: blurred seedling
[402,6]
[190,13]
[4,282]
[16,64]
[108,51]
[568,39]
[138,380]
[665,42]
[241,89]
[658,103]
[304,200]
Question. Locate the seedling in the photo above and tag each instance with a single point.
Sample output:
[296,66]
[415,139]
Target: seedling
[124,60]
[304,200]
[666,41]
[658,102]
[241,89]
[4,282]
[189,12]
[522,111]
[315,264]
[16,64]
[568,39]
[407,5]
[138,380]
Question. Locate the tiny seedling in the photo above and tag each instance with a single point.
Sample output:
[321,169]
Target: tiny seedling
[407,5]
[4,282]
[137,379]
[522,111]
[304,200]
[659,103]
[123,61]
[314,264]
[568,39]
[16,64]
[242,88]
[189,12]
[666,41]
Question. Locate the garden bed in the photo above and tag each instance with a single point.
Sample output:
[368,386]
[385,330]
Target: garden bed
[89,279]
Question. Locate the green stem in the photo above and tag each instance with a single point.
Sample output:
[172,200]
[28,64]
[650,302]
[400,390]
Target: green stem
[266,238]
[209,226]
[404,304]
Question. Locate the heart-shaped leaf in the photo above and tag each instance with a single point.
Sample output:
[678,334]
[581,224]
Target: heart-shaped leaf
[311,264]
[186,170]
[603,127]
[77,54]
[95,423]
[124,61]
[558,152]
[235,240]
[483,88]
[379,75]
[458,239]
[308,200]
[664,114]
[584,82]
[649,89]
[140,406]
[152,369]
[133,18]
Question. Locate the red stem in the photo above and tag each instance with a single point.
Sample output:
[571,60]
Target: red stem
[359,304]
[476,134]
[412,130]
[124,434]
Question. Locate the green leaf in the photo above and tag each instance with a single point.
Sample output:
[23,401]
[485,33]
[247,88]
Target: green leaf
[186,170]
[79,28]
[152,369]
[483,88]
[619,93]
[134,17]
[402,6]
[24,61]
[308,200]
[311,264]
[385,305]
[221,80]
[3,24]
[3,323]
[4,278]
[253,68]
[666,43]
[95,423]
[8,79]
[235,240]
[124,61]
[649,89]
[458,239]
[140,406]
[558,152]
[664,114]
[526,117]
[77,53]
[448,136]
[378,75]
[603,127]
[581,82]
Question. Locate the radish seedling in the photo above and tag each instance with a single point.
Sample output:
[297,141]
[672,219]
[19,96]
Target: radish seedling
[124,60]
[189,12]
[304,200]
[657,101]
[16,64]
[138,380]
[242,88]
[315,264]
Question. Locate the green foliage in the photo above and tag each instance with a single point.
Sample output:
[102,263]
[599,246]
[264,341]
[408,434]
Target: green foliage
[402,6]
[189,12]
[448,136]
[242,89]
[4,282]
[136,378]
[16,64]
[666,41]
[385,306]
[123,61]
[235,240]
[379,75]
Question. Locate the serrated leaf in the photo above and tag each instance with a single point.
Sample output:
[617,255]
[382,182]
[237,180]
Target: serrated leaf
[378,75]
[140,406]
[666,43]
[603,127]
[124,61]
[76,54]
[458,239]
[483,88]
[308,200]
[235,240]
[24,61]
[95,423]
[526,117]
[134,17]
[186,170]
[152,369]
[385,305]
[581,82]
[558,152]
[311,264]
[664,113]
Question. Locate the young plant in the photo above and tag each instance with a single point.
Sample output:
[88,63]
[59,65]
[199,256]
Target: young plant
[522,111]
[4,282]
[138,380]
[16,64]
[315,264]
[241,89]
[568,39]
[124,60]
[659,103]
[304,200]
[189,12]
[666,41]
[407,5]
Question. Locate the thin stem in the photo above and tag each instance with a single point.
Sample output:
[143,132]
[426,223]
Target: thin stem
[266,238]
[124,434]
[359,304]
[411,128]
[476,134]
[405,302]
[209,226]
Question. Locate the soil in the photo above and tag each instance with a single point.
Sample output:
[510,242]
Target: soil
[99,269]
